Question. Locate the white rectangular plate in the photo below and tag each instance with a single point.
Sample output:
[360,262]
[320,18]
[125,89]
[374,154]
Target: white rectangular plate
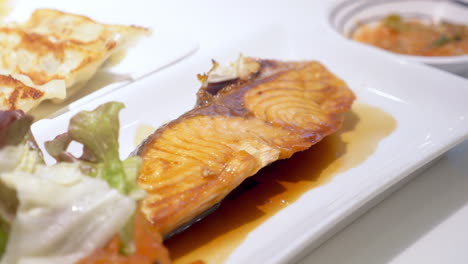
[429,107]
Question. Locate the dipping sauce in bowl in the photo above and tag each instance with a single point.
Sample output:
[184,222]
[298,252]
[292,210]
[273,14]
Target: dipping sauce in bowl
[415,37]
[433,32]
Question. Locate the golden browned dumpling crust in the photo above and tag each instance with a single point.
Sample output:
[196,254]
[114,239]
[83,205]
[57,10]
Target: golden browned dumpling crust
[53,51]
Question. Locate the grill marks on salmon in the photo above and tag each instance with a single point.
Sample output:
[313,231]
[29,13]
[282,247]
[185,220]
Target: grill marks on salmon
[303,98]
[266,110]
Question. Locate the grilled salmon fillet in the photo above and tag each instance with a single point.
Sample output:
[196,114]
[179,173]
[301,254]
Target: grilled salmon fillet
[247,116]
[53,51]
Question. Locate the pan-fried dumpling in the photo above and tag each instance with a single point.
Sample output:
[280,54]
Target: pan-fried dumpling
[19,92]
[51,46]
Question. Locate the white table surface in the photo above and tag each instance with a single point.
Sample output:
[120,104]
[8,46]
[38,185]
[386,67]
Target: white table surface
[423,222]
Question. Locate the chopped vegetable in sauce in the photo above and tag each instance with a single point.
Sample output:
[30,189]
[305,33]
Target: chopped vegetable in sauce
[413,37]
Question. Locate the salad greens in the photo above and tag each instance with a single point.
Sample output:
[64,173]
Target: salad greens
[98,131]
[92,196]
[9,203]
[4,229]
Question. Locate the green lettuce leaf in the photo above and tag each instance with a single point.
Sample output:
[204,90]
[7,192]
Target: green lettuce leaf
[8,205]
[98,132]
[4,229]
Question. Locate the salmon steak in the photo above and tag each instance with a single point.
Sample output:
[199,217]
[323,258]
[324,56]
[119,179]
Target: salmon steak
[248,115]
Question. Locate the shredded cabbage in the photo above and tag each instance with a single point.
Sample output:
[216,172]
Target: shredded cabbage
[63,215]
